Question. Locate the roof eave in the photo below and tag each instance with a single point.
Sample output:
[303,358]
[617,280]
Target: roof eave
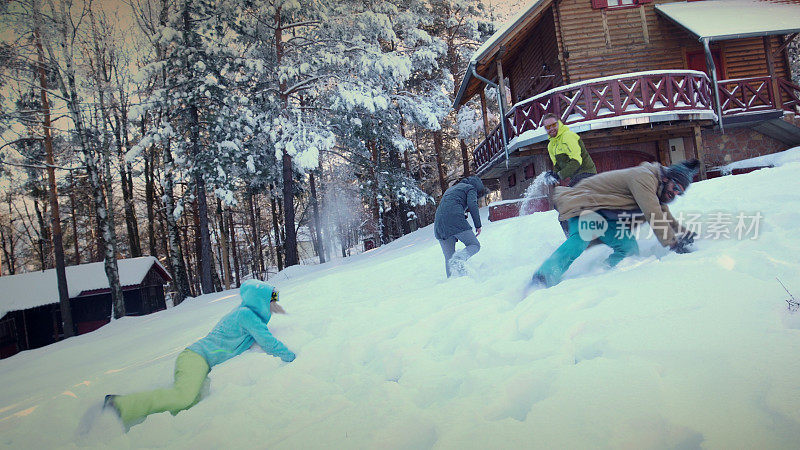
[464,83]
[482,54]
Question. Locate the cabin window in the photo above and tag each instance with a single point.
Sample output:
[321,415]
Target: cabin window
[7,331]
[529,172]
[512,180]
[602,4]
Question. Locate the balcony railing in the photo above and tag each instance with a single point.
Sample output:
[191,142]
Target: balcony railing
[646,93]
[745,95]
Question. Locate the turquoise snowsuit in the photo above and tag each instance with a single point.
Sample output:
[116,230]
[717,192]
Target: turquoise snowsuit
[232,335]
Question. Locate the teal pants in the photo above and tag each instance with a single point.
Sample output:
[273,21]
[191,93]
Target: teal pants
[190,373]
[620,240]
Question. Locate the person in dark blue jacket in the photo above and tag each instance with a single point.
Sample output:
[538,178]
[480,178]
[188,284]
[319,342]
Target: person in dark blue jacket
[450,224]
[231,336]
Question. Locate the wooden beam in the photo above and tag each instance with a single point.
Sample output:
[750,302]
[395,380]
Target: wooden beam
[663,152]
[484,114]
[606,32]
[645,33]
[700,153]
[501,79]
[785,44]
[776,93]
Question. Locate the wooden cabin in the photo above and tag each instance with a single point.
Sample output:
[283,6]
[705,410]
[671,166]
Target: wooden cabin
[638,80]
[29,302]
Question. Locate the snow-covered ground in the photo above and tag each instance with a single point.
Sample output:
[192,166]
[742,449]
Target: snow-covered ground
[666,350]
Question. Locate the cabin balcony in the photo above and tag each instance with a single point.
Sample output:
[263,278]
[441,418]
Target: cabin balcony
[633,99]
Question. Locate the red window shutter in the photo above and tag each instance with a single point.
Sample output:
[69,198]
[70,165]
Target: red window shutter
[512,180]
[599,4]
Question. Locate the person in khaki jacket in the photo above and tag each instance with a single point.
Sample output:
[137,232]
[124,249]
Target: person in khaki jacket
[606,207]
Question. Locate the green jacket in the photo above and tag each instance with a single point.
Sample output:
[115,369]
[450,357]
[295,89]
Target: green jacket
[568,154]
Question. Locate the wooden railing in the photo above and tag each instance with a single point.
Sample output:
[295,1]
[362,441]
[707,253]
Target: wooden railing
[745,95]
[602,98]
[638,93]
[791,92]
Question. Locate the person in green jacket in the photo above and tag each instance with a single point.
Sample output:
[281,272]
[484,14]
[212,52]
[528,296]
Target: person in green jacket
[571,161]
[231,336]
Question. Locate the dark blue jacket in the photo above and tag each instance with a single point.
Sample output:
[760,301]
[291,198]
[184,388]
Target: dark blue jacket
[462,196]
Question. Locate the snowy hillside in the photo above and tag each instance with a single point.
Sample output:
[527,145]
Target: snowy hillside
[666,350]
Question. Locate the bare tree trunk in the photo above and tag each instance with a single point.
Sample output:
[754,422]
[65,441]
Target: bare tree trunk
[44,234]
[223,231]
[105,210]
[179,276]
[234,250]
[258,255]
[319,247]
[205,258]
[276,230]
[7,240]
[74,218]
[438,147]
[258,239]
[55,216]
[290,243]
[189,254]
[149,194]
[202,209]
[465,158]
[376,208]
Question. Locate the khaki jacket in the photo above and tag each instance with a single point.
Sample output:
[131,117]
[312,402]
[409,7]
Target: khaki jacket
[630,189]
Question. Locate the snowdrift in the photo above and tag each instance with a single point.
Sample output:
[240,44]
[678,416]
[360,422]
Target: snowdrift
[666,350]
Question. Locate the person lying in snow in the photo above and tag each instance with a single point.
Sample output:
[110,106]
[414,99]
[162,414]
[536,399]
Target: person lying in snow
[617,197]
[231,336]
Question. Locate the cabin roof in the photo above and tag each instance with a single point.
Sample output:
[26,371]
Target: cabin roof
[711,19]
[508,37]
[32,289]
[718,20]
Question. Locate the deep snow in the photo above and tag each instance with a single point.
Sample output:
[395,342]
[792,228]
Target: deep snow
[666,350]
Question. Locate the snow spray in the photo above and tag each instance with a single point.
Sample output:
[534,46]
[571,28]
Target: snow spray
[535,194]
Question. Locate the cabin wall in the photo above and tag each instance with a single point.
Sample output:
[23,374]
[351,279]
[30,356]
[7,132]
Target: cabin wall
[740,143]
[525,71]
[623,45]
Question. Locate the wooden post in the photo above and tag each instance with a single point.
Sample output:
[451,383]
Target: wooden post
[698,149]
[776,93]
[485,115]
[606,32]
[501,79]
[645,33]
[663,152]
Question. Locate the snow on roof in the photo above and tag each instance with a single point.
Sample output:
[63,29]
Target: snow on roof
[733,19]
[32,289]
[772,160]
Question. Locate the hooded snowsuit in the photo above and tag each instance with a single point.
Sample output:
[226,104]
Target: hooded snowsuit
[231,336]
[451,224]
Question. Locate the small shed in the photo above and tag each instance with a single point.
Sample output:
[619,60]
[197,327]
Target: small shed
[30,316]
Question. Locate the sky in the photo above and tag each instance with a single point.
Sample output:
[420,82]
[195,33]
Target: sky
[666,350]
